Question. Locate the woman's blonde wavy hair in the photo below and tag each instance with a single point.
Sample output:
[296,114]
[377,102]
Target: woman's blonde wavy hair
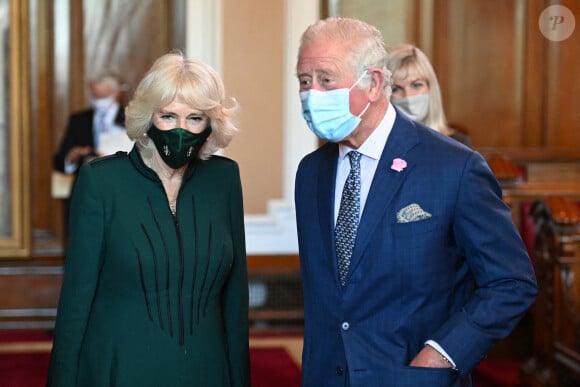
[406,57]
[172,76]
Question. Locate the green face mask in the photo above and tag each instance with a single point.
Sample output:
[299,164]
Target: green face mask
[178,146]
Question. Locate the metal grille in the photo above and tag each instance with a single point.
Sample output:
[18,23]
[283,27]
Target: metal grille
[276,301]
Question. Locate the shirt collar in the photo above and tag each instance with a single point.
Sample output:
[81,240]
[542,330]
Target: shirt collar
[374,145]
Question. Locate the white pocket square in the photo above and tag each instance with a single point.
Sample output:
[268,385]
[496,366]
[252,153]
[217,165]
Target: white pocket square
[412,213]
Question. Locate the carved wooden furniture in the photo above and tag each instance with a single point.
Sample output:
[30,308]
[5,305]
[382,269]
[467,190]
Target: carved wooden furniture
[504,169]
[556,358]
[525,178]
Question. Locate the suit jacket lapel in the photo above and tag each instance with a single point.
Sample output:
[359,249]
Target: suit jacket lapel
[120,117]
[386,183]
[326,181]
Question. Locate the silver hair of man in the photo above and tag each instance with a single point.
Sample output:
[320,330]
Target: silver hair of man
[362,41]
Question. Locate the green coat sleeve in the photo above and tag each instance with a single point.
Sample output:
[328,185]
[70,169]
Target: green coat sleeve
[82,265]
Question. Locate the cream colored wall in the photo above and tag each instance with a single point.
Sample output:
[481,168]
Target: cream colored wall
[254,45]
[252,64]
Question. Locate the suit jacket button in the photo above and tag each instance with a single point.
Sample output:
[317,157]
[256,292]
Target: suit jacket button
[339,370]
[345,326]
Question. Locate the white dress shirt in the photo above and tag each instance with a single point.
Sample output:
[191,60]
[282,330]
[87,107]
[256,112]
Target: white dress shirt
[371,151]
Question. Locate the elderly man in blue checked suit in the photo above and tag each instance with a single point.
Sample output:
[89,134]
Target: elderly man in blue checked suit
[412,268]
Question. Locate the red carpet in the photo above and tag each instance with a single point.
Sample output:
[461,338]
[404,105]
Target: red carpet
[497,373]
[270,366]
[19,368]
[273,367]
[23,370]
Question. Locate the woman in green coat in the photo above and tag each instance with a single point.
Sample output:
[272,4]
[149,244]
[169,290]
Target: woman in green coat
[155,290]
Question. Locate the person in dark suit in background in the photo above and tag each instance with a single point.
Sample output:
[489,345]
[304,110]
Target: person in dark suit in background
[414,270]
[89,132]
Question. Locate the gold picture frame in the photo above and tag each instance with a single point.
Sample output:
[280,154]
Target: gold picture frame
[15,234]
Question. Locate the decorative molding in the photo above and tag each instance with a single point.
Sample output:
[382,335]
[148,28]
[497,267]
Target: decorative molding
[204,31]
[32,270]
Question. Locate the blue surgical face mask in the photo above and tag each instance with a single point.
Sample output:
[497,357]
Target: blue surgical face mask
[327,113]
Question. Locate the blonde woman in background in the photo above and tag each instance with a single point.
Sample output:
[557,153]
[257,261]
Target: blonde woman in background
[416,90]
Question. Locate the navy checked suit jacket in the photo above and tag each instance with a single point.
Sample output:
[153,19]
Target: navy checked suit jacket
[461,277]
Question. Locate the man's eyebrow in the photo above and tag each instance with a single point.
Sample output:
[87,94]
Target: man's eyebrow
[316,73]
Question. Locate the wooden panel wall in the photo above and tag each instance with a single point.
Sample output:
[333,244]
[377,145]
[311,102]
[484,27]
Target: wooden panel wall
[563,87]
[478,58]
[501,79]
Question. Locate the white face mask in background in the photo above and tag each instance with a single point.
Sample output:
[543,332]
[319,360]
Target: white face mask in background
[416,106]
[101,104]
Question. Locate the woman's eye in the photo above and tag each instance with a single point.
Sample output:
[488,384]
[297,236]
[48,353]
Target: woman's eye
[166,117]
[195,118]
[418,85]
[396,89]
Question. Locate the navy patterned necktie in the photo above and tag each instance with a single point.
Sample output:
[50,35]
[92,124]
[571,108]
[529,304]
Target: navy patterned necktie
[348,217]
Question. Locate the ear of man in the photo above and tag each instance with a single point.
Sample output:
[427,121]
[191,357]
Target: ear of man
[377,84]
